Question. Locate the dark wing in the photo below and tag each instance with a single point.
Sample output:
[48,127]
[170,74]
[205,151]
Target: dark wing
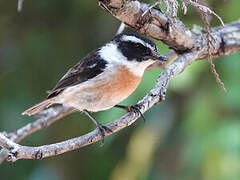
[89,67]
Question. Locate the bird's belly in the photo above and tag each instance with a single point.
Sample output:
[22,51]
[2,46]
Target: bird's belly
[101,93]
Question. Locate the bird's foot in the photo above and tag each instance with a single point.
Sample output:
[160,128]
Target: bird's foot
[134,108]
[103,129]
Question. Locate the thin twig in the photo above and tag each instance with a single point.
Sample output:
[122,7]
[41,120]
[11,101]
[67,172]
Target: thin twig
[19,7]
[211,41]
[172,8]
[184,7]
[121,28]
[203,9]
[150,7]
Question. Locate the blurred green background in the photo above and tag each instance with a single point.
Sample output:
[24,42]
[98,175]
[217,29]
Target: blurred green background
[194,134]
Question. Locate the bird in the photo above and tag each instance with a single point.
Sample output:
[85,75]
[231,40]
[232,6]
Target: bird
[104,77]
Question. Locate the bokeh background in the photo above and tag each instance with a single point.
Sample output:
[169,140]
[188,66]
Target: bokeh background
[194,134]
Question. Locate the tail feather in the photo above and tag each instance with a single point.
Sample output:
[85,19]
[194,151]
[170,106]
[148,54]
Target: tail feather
[38,107]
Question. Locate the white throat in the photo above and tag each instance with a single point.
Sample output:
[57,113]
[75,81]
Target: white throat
[114,57]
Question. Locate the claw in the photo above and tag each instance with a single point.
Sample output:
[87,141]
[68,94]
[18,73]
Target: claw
[103,129]
[134,108]
[12,155]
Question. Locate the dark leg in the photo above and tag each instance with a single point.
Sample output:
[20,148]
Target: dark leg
[103,129]
[134,108]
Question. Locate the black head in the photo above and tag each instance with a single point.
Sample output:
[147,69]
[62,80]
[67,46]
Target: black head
[137,47]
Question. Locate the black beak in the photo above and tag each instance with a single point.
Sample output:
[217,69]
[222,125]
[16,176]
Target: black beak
[160,57]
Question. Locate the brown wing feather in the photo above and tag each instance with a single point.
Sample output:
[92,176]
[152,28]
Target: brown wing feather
[89,67]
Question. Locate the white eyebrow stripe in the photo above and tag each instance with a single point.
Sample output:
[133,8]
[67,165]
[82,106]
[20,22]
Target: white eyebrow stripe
[136,40]
[149,46]
[133,39]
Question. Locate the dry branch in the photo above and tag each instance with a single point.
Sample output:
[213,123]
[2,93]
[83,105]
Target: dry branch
[46,118]
[154,23]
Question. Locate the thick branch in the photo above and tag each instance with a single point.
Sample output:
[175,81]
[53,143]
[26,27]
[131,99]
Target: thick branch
[172,31]
[227,39]
[154,23]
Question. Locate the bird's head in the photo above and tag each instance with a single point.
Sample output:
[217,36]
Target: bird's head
[137,47]
[132,50]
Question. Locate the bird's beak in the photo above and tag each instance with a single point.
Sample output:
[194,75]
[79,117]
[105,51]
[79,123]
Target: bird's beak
[160,57]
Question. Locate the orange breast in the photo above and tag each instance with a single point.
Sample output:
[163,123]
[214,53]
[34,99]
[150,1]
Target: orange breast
[123,84]
[118,87]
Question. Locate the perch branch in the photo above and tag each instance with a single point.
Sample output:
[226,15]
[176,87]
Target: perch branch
[46,118]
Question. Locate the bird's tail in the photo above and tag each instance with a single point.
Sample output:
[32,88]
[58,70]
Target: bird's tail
[38,107]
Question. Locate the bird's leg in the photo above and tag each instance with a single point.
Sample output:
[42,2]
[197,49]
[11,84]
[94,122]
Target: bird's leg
[103,129]
[134,108]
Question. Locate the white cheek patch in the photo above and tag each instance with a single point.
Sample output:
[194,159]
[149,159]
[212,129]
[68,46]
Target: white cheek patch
[111,54]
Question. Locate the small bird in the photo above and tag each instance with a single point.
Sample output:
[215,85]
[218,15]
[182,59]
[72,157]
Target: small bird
[104,78]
